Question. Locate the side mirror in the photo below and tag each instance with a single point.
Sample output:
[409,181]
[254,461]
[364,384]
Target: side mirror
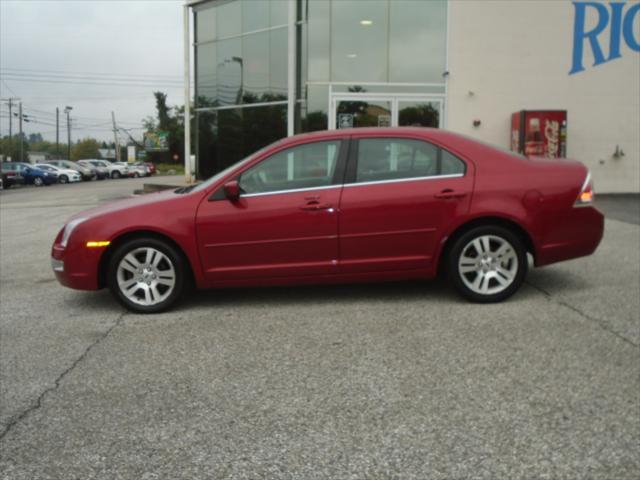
[232,190]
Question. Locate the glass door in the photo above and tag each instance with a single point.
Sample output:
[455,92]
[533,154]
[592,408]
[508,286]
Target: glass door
[353,111]
[363,112]
[419,113]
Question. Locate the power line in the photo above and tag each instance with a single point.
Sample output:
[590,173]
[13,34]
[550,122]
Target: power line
[68,72]
[110,84]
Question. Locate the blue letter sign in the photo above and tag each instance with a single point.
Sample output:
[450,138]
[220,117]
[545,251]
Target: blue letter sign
[620,25]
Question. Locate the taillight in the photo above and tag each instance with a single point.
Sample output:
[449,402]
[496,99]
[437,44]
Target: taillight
[586,195]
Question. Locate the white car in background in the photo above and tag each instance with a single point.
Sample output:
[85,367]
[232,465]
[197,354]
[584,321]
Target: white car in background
[139,169]
[65,175]
[115,169]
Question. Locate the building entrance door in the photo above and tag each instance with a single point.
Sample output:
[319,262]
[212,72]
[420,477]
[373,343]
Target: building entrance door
[352,110]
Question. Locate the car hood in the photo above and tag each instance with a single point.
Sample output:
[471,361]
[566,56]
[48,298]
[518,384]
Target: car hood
[128,203]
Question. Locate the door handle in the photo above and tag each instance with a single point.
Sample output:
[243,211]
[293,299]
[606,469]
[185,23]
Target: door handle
[449,193]
[316,206]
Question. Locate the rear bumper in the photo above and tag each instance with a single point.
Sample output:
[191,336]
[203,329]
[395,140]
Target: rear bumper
[575,235]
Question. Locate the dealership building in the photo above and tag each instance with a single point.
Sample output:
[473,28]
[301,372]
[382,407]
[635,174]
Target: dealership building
[265,69]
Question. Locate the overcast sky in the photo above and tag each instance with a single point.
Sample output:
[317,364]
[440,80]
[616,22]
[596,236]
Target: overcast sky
[97,56]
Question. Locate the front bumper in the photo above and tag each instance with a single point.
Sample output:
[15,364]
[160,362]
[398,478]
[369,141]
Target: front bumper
[76,268]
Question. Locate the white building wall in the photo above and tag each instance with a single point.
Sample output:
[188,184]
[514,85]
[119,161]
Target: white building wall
[506,56]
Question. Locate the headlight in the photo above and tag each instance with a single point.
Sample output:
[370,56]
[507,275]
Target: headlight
[68,228]
[46,174]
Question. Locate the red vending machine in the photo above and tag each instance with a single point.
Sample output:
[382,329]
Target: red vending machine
[539,133]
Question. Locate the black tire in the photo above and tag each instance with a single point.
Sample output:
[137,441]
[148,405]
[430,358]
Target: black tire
[136,175]
[178,263]
[461,245]
[63,179]
[115,174]
[38,182]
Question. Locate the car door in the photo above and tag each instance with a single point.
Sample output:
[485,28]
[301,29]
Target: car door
[399,195]
[285,222]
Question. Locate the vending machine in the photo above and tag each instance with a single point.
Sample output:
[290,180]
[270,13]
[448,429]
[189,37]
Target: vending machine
[539,133]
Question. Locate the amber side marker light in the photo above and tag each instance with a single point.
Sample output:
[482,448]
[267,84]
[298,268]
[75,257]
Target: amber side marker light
[103,243]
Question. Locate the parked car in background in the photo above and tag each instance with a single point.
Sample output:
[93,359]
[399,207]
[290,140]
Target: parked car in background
[86,172]
[352,205]
[10,176]
[65,175]
[152,167]
[115,169]
[139,169]
[101,171]
[125,170]
[31,174]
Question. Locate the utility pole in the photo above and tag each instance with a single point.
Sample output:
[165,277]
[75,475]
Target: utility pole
[115,136]
[67,109]
[57,131]
[10,117]
[20,122]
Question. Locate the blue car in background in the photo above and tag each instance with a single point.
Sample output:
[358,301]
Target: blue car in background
[31,174]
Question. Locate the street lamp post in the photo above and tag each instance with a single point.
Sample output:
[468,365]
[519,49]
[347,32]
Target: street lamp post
[68,109]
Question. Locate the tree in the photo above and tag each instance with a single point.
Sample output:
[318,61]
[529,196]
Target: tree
[35,137]
[10,147]
[87,148]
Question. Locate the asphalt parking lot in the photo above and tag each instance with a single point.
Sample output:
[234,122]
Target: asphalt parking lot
[365,382]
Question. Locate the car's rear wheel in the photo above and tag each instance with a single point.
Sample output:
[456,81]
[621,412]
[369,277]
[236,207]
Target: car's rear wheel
[63,179]
[487,264]
[115,174]
[146,275]
[38,182]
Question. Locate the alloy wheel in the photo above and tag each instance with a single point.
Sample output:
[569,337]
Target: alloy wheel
[146,276]
[488,265]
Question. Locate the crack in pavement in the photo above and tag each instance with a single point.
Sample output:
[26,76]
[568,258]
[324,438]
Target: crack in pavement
[38,403]
[595,320]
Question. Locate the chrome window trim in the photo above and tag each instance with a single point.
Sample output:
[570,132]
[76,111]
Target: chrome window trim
[293,190]
[357,184]
[408,179]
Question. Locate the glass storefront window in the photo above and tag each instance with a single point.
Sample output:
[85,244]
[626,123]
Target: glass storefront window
[255,54]
[359,40]
[228,135]
[206,25]
[315,116]
[255,15]
[206,84]
[417,41]
[279,12]
[278,65]
[230,71]
[319,46]
[229,16]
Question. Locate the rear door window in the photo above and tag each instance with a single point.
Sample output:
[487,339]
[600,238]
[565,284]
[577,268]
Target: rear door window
[388,159]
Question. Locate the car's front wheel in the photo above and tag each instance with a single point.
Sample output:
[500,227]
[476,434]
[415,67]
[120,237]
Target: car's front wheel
[146,275]
[487,264]
[115,174]
[38,182]
[63,179]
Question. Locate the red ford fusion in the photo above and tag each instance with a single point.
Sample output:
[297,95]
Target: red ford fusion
[355,205]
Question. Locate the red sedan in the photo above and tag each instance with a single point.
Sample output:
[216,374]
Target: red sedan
[340,206]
